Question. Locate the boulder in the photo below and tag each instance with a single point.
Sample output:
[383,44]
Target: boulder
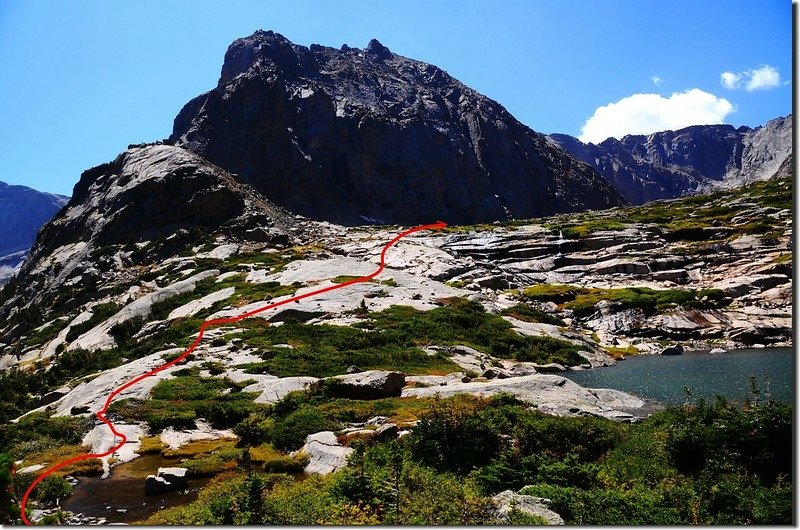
[616,265]
[325,453]
[508,501]
[174,475]
[372,384]
[154,485]
[167,479]
[673,350]
[387,431]
[544,391]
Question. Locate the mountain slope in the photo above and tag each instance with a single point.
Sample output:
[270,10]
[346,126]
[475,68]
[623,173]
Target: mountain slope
[361,136]
[22,212]
[151,203]
[672,164]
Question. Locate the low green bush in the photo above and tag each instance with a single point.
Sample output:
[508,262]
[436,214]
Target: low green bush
[289,433]
[527,313]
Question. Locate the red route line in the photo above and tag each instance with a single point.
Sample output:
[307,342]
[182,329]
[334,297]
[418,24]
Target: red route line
[205,325]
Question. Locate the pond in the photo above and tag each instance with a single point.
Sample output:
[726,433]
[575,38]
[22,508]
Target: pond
[664,377]
[124,490]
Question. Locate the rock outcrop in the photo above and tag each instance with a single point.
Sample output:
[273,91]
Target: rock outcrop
[372,384]
[551,394]
[509,501]
[325,453]
[700,158]
[367,136]
[159,194]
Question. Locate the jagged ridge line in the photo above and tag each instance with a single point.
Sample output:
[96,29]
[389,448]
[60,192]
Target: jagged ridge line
[101,415]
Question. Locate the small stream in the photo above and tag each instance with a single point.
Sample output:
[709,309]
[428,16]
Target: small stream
[124,490]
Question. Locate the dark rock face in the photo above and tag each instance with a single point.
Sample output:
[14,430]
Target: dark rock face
[366,136]
[22,212]
[671,164]
[144,193]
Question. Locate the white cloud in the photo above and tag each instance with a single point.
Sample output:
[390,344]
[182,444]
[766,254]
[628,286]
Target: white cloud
[730,80]
[656,80]
[649,113]
[765,77]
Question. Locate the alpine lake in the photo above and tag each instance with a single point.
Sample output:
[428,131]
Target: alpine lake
[678,379]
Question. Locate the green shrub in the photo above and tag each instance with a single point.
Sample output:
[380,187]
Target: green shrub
[527,313]
[286,464]
[453,436]
[289,433]
[100,313]
[553,292]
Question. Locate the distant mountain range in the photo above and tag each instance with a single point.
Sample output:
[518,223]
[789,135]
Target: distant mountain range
[670,164]
[22,212]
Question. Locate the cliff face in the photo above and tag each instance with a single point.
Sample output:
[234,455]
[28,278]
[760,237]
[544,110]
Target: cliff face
[700,158]
[366,136]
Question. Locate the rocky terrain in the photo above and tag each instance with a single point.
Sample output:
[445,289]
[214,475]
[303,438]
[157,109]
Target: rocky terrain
[464,321]
[365,136]
[581,290]
[701,158]
[22,212]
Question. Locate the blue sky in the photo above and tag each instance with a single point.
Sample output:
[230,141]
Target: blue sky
[82,80]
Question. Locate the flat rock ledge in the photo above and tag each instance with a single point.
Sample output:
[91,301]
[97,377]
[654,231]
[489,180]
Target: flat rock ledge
[508,501]
[552,394]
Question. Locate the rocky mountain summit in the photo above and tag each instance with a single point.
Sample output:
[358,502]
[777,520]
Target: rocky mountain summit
[361,136]
[701,158]
[22,212]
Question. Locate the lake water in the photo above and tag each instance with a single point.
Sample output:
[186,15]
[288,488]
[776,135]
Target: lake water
[663,377]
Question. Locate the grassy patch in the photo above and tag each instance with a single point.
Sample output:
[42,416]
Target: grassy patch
[47,333]
[179,401]
[391,340]
[53,455]
[583,229]
[527,313]
[150,445]
[36,436]
[618,353]
[581,300]
[223,458]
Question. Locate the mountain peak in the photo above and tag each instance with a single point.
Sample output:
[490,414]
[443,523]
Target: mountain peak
[369,136]
[378,50]
[261,49]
